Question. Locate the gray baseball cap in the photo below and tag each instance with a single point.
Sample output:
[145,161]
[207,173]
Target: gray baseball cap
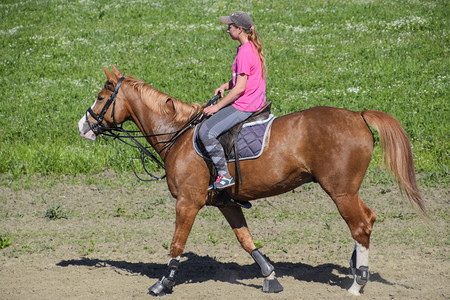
[239,18]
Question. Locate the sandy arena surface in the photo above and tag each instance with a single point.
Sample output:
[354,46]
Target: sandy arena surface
[113,244]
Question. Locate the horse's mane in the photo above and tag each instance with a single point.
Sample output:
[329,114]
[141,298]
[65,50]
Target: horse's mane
[161,103]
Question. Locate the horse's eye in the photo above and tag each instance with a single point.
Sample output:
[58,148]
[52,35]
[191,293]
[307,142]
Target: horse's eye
[100,98]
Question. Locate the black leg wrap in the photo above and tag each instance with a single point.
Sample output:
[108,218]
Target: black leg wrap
[272,286]
[166,284]
[266,267]
[172,270]
[362,275]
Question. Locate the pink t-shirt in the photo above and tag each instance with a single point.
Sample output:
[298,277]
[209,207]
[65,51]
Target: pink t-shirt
[248,62]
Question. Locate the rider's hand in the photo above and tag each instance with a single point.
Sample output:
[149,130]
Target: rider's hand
[219,90]
[208,111]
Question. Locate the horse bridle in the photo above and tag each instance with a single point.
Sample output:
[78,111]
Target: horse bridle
[99,118]
[109,131]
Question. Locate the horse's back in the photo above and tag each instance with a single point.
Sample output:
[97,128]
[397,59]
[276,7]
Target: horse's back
[328,142]
[323,126]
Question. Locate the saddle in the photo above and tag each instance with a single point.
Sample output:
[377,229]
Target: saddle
[229,139]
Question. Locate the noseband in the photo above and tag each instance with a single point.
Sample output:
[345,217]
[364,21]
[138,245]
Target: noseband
[99,118]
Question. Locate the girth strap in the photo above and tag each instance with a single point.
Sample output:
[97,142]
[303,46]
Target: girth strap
[236,153]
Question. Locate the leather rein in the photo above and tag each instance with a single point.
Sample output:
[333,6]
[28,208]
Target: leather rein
[121,134]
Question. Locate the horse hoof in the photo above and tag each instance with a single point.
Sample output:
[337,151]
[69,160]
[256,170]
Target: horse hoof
[157,289]
[272,286]
[354,293]
[354,290]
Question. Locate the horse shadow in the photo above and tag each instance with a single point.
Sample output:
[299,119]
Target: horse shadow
[198,269]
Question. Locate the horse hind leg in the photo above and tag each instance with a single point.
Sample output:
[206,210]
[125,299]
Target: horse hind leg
[360,220]
[359,261]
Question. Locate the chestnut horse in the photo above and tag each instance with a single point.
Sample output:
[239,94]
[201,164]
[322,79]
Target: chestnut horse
[330,146]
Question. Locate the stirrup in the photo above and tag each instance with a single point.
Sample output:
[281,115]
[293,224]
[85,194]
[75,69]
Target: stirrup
[244,204]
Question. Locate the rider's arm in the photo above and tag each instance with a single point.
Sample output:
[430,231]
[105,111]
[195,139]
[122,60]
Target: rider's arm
[236,91]
[224,87]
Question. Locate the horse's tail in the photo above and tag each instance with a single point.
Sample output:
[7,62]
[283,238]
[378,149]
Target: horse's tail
[397,155]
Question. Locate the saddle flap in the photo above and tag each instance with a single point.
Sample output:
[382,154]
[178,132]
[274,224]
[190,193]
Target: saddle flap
[228,137]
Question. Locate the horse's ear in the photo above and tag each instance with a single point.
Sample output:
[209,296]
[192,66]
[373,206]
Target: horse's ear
[111,77]
[116,72]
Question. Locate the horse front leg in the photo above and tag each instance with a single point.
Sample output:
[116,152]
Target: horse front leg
[186,212]
[236,219]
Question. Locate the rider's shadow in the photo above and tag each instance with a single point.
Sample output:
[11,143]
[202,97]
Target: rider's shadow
[197,269]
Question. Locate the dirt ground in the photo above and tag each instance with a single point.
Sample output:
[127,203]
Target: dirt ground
[111,234]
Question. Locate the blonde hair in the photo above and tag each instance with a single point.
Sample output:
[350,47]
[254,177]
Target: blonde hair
[254,38]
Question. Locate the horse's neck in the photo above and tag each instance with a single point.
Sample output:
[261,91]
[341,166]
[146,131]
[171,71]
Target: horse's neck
[157,126]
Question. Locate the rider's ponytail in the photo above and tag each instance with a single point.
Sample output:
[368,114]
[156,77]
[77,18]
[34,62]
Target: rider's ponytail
[254,38]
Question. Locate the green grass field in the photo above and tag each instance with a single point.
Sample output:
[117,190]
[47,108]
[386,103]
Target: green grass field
[386,55]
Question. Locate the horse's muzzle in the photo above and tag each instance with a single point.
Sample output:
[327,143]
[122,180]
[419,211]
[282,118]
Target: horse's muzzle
[84,129]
